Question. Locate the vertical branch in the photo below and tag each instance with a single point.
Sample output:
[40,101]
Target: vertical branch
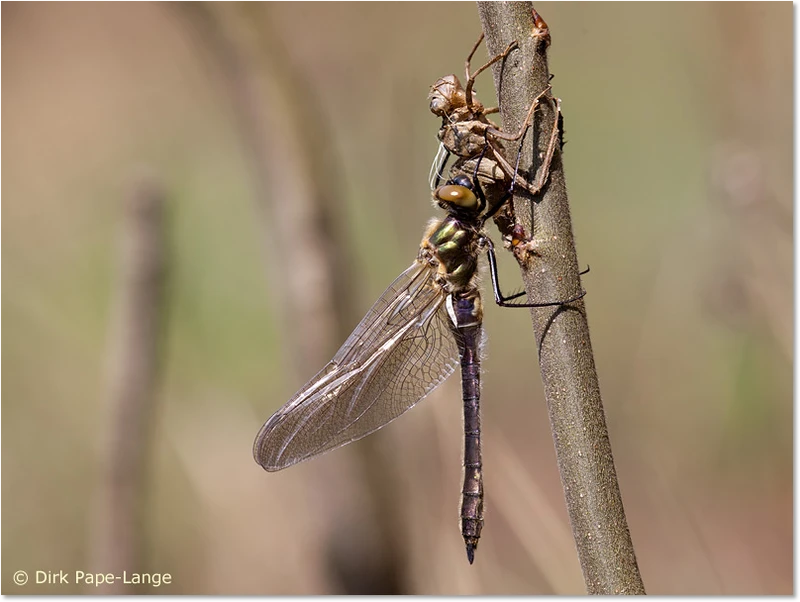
[118,530]
[550,273]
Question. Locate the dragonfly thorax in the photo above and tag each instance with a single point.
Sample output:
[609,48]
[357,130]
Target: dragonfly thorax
[452,246]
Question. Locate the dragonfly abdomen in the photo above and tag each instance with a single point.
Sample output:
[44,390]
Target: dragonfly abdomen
[467,314]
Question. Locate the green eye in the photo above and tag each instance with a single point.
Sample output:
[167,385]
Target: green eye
[457,195]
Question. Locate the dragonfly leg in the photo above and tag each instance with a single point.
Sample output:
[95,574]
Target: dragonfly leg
[504,301]
[476,183]
[523,293]
[472,76]
[496,207]
[543,170]
[544,174]
[526,123]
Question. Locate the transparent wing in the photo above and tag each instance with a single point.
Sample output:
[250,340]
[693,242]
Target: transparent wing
[399,352]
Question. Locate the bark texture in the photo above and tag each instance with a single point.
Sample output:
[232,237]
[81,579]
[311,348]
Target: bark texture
[567,365]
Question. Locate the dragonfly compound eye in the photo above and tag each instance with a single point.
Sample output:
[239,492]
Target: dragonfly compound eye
[460,196]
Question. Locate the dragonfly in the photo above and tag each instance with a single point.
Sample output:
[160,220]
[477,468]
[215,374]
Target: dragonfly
[426,324]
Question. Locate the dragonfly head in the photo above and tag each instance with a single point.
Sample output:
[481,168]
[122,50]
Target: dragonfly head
[447,95]
[457,196]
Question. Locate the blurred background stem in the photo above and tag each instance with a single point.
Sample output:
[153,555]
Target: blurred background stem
[297,176]
[137,329]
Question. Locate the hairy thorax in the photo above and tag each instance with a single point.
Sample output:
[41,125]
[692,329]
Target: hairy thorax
[452,248]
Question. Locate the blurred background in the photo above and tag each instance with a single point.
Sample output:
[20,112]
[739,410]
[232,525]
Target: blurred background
[280,154]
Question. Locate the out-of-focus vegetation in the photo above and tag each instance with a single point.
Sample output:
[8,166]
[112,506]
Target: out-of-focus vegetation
[679,129]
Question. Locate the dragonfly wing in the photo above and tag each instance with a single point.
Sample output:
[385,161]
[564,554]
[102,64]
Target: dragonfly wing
[399,352]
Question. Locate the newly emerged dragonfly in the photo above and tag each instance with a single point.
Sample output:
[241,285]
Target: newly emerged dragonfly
[428,322]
